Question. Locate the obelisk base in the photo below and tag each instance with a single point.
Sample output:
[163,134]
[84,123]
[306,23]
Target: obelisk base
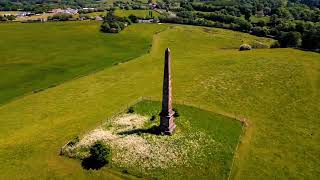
[167,124]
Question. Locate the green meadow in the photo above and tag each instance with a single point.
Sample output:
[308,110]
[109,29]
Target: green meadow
[214,155]
[9,12]
[138,13]
[203,143]
[275,91]
[37,56]
[126,13]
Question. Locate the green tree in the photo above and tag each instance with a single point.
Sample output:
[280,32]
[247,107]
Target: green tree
[105,27]
[110,17]
[290,39]
[133,18]
[2,18]
[311,40]
[99,156]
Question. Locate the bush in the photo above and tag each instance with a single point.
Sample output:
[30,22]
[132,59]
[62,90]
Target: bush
[133,18]
[245,47]
[176,112]
[311,40]
[99,156]
[121,25]
[260,31]
[60,17]
[113,27]
[290,39]
[275,44]
[105,27]
[153,117]
[114,24]
[130,110]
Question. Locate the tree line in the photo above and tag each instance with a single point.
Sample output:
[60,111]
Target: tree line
[294,24]
[114,24]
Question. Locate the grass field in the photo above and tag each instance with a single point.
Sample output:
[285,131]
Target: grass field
[26,18]
[205,143]
[277,91]
[138,13]
[94,14]
[126,13]
[9,12]
[51,53]
[213,159]
[35,17]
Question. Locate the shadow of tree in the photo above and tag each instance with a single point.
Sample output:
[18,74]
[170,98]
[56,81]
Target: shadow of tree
[92,163]
[99,156]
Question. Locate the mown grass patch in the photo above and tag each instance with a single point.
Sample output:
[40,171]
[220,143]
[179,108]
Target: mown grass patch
[202,145]
[9,12]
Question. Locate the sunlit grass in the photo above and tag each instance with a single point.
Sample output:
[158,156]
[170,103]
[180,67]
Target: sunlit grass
[38,56]
[275,90]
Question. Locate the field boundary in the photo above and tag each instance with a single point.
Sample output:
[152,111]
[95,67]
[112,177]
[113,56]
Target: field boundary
[243,131]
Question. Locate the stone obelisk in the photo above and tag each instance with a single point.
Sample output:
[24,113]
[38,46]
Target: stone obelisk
[166,116]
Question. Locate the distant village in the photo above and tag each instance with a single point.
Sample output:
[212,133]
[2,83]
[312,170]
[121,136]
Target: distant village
[71,14]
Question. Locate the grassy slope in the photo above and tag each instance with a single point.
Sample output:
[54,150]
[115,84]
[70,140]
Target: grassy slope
[126,13]
[277,90]
[138,13]
[35,56]
[218,155]
[9,12]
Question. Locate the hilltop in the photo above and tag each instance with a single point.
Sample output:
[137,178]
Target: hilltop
[275,90]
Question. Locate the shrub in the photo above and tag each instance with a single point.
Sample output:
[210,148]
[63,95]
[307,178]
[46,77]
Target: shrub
[275,44]
[153,117]
[121,25]
[245,47]
[60,17]
[125,171]
[105,27]
[311,40]
[290,39]
[133,18]
[176,112]
[130,110]
[114,27]
[99,156]
[114,24]
[260,31]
